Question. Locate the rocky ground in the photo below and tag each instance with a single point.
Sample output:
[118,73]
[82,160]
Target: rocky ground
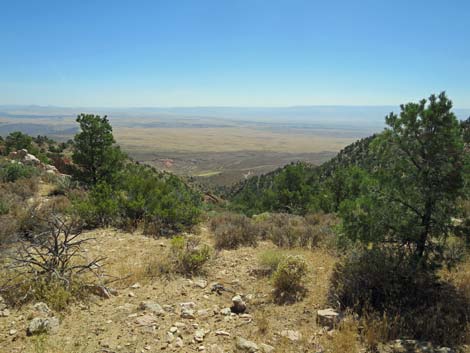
[156,314]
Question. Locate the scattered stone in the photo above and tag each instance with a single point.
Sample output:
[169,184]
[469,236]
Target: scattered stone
[136,286]
[201,283]
[199,336]
[226,311]
[328,318]
[222,333]
[173,329]
[40,325]
[170,337]
[12,332]
[3,306]
[146,320]
[179,342]
[201,348]
[41,308]
[4,313]
[291,335]
[238,305]
[203,313]
[187,313]
[245,345]
[131,294]
[152,307]
[188,305]
[402,346]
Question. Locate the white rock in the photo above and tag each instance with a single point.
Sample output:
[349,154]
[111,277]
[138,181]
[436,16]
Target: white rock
[226,311]
[199,335]
[169,337]
[40,325]
[328,318]
[188,305]
[187,314]
[200,283]
[179,342]
[152,307]
[245,345]
[266,348]
[291,335]
[221,333]
[41,307]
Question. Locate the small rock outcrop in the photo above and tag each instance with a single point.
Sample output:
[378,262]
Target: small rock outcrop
[40,325]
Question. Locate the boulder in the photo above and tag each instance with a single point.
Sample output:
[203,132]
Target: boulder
[29,159]
[40,325]
[238,305]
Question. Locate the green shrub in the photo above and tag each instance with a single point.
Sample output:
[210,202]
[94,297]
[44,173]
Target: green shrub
[11,172]
[269,260]
[188,256]
[233,230]
[382,282]
[4,207]
[288,280]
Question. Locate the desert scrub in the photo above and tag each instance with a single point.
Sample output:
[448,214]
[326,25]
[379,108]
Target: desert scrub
[344,339]
[289,231]
[418,303]
[11,172]
[269,260]
[288,280]
[188,256]
[233,230]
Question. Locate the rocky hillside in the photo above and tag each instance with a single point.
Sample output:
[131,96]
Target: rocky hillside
[145,312]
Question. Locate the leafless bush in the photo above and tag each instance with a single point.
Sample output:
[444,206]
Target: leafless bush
[52,262]
[54,256]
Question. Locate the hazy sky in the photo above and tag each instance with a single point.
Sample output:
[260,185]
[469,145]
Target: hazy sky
[233,52]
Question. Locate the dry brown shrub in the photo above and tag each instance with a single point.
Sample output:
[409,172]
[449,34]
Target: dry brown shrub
[232,230]
[344,339]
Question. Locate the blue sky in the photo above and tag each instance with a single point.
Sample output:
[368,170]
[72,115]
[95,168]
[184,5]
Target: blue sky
[233,53]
